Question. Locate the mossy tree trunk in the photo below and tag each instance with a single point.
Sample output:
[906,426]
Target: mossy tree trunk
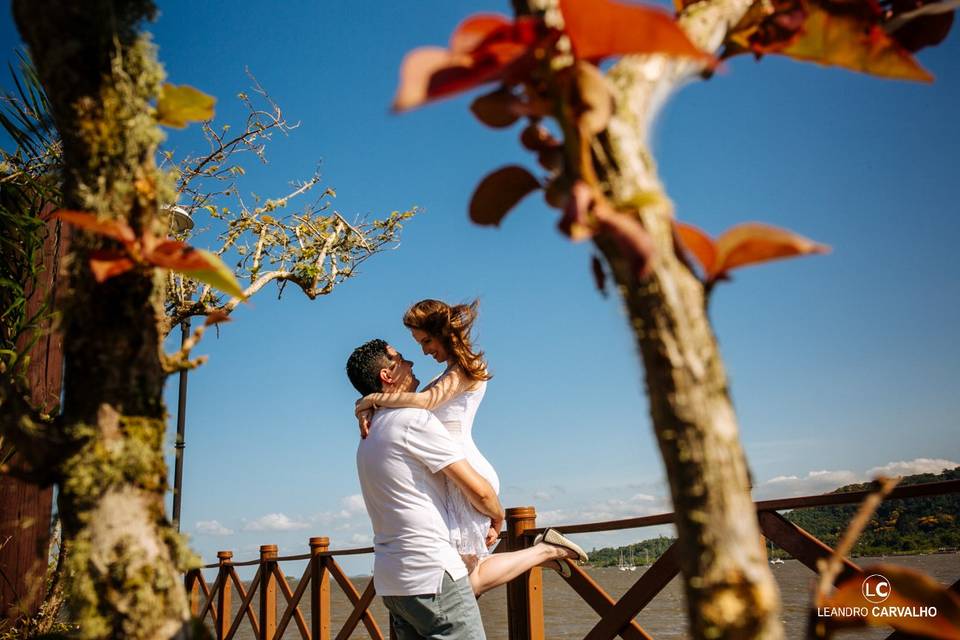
[730,591]
[101,74]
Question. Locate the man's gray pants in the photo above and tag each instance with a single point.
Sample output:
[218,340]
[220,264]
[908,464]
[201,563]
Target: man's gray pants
[452,614]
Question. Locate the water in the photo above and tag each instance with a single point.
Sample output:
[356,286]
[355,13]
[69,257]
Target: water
[567,616]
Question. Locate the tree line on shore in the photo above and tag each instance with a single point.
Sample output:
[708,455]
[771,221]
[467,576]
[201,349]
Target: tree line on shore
[918,525]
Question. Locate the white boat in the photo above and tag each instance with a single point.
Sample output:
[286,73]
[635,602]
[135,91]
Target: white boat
[773,561]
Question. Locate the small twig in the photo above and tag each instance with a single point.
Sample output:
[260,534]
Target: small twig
[926,10]
[258,254]
[363,239]
[831,568]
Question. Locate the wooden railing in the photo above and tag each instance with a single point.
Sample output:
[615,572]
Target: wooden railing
[216,602]
[525,613]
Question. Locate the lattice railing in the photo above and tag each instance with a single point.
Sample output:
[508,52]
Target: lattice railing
[270,594]
[617,617]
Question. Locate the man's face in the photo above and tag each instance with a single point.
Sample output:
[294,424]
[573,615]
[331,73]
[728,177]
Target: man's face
[400,372]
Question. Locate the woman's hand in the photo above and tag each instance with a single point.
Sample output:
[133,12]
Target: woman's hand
[363,421]
[494,533]
[362,405]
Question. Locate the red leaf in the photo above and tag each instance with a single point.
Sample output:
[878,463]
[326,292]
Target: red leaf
[495,109]
[905,588]
[216,317]
[499,192]
[417,69]
[482,49]
[537,138]
[603,28]
[176,255]
[195,263]
[89,222]
[108,264]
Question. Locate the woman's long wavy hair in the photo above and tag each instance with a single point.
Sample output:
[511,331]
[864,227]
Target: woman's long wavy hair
[451,325]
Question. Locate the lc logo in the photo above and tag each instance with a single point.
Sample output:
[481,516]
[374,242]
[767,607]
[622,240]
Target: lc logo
[875,588]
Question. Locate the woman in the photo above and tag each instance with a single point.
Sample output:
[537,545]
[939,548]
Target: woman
[443,332]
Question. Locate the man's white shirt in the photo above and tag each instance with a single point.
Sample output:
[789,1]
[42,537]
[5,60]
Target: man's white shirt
[398,465]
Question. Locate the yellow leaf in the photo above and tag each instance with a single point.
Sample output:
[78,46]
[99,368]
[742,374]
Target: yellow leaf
[216,274]
[178,106]
[853,43]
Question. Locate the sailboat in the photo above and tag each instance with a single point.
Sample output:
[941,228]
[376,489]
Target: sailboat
[631,566]
[773,561]
[621,565]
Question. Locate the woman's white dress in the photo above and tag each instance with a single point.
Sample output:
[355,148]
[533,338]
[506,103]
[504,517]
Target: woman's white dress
[468,527]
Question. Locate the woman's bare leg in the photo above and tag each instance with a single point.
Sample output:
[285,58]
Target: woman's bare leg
[499,568]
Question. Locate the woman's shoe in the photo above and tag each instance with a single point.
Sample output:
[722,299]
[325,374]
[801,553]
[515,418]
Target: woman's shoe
[554,537]
[563,568]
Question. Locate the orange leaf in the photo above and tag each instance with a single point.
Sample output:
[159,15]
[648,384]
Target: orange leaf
[477,29]
[888,595]
[499,192]
[603,28]
[107,264]
[753,243]
[745,244]
[854,43]
[216,317]
[195,263]
[89,222]
[698,243]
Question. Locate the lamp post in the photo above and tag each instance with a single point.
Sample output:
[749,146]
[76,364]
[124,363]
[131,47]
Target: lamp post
[181,430]
[180,222]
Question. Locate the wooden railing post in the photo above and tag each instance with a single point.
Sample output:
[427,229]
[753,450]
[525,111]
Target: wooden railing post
[268,591]
[192,583]
[319,590]
[224,605]
[524,593]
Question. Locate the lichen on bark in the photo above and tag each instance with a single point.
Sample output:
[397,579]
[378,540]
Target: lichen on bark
[102,77]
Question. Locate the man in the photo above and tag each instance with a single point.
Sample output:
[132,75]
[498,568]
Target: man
[402,465]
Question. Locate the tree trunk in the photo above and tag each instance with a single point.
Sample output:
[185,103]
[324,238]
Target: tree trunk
[730,590]
[100,75]
[26,506]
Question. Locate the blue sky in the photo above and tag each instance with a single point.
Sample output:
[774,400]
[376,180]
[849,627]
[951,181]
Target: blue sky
[839,364]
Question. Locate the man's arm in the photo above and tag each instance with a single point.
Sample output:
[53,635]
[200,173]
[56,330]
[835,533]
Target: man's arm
[476,489]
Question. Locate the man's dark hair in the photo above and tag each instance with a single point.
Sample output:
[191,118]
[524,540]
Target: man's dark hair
[364,365]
